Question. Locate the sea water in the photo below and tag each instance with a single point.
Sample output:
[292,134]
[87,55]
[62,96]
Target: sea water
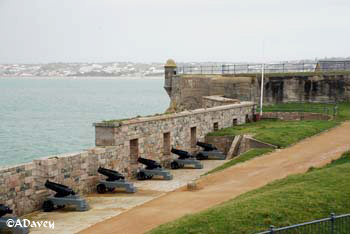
[47,116]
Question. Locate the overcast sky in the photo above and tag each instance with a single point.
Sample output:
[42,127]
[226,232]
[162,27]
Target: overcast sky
[44,31]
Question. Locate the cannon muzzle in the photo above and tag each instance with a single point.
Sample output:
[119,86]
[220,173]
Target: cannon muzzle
[111,174]
[181,153]
[4,210]
[206,146]
[150,164]
[60,189]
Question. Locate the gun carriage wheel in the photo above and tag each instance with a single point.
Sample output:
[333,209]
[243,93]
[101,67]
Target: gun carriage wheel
[141,176]
[48,206]
[101,188]
[174,165]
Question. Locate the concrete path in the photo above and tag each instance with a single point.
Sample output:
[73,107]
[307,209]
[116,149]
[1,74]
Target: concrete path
[104,206]
[222,186]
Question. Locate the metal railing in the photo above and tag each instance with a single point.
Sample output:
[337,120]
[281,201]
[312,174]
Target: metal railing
[333,225]
[268,68]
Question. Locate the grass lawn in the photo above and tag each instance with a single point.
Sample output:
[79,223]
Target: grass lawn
[343,108]
[284,133]
[344,111]
[295,199]
[242,158]
[278,132]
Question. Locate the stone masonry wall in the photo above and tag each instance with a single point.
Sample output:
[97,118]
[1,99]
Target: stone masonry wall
[217,100]
[223,143]
[184,129]
[186,91]
[288,116]
[22,186]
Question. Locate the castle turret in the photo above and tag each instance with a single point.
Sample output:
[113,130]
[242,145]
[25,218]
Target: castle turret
[170,71]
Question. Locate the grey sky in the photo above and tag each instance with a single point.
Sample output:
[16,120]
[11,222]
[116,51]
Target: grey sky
[187,30]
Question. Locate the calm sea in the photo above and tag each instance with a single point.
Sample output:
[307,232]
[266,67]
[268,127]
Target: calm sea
[46,116]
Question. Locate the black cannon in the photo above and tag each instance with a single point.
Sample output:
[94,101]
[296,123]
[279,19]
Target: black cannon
[181,153]
[61,190]
[64,196]
[206,146]
[20,229]
[4,210]
[153,168]
[185,158]
[209,152]
[114,180]
[150,164]
[112,175]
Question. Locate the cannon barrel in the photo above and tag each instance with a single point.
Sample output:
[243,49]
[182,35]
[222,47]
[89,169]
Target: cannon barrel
[61,190]
[206,146]
[111,174]
[4,210]
[183,154]
[150,164]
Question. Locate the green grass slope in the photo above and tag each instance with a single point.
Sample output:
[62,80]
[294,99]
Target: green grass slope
[284,133]
[242,158]
[295,199]
[278,132]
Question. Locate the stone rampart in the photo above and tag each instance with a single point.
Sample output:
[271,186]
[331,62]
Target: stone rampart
[186,91]
[153,137]
[292,116]
[22,186]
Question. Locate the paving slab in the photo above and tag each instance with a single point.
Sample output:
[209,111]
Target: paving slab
[105,206]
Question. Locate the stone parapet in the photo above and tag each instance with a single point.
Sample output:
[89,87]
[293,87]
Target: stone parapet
[289,116]
[22,186]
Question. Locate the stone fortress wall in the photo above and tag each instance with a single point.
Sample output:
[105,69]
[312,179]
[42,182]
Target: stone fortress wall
[186,91]
[118,145]
[153,137]
[22,186]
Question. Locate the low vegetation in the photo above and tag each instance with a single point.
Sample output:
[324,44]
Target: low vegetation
[295,199]
[284,133]
[242,158]
[278,132]
[343,108]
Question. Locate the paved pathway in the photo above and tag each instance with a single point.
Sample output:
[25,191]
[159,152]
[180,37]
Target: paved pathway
[104,206]
[222,186]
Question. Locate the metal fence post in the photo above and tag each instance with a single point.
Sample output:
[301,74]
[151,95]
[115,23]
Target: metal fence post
[332,222]
[272,229]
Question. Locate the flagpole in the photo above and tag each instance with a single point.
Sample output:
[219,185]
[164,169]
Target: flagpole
[262,81]
[262,89]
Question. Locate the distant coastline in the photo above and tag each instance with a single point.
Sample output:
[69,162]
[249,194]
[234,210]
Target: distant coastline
[84,77]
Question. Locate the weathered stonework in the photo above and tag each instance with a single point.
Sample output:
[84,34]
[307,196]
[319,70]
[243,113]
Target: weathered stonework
[22,186]
[294,116]
[217,100]
[184,129]
[186,92]
[223,143]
